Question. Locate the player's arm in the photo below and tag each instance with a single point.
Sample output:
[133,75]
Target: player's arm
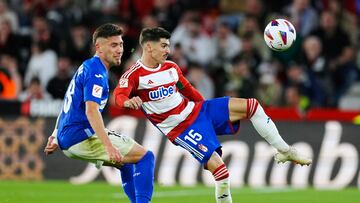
[95,119]
[122,94]
[52,144]
[186,89]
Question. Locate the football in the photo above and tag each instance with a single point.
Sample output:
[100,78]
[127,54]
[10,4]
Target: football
[279,34]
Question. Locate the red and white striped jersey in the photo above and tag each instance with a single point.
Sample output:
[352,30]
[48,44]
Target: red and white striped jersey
[158,88]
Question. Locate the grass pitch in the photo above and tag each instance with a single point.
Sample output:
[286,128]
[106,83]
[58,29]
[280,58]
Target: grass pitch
[101,192]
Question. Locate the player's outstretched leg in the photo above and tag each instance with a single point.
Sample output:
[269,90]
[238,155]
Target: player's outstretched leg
[144,178]
[251,109]
[221,175]
[127,173]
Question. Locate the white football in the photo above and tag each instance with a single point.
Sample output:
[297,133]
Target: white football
[279,34]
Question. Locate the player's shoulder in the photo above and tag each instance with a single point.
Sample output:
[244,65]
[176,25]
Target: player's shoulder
[131,71]
[170,64]
[94,66]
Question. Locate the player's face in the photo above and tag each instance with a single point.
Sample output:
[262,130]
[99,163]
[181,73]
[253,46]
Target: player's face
[112,50]
[160,50]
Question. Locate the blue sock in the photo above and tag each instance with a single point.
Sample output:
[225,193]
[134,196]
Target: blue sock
[144,178]
[127,173]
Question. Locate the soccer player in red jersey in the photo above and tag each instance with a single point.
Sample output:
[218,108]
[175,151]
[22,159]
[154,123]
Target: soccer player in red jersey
[177,109]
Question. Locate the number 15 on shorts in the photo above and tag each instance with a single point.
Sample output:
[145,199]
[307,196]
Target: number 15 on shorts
[193,137]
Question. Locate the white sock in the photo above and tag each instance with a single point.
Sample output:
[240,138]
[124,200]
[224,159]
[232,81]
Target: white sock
[266,127]
[222,191]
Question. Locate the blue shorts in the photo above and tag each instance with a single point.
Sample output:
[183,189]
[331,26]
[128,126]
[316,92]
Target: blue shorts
[200,137]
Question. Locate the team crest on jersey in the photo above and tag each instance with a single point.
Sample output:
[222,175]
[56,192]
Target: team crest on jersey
[171,75]
[123,82]
[97,91]
[203,148]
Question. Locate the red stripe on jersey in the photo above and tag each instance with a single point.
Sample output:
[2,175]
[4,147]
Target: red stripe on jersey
[131,70]
[158,118]
[174,133]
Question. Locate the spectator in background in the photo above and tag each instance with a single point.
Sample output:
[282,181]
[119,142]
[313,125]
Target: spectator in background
[347,20]
[257,9]
[250,54]
[149,21]
[250,26]
[34,91]
[166,13]
[177,55]
[239,77]
[338,52]
[9,41]
[303,16]
[78,47]
[7,13]
[201,81]
[57,85]
[59,17]
[25,14]
[10,80]
[306,84]
[227,44]
[269,89]
[42,64]
[43,34]
[294,99]
[314,62]
[196,45]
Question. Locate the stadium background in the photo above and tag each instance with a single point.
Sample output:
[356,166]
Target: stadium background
[311,90]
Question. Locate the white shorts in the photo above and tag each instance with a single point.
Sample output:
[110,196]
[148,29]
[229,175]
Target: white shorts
[93,150]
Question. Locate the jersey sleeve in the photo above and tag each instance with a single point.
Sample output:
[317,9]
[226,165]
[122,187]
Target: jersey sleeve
[123,90]
[94,86]
[186,89]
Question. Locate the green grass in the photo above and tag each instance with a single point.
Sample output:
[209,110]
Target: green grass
[100,192]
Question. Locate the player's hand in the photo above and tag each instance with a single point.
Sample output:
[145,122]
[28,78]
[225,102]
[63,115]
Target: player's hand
[133,103]
[114,154]
[51,146]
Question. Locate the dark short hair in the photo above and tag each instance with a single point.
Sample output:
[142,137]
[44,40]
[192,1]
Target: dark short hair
[153,35]
[107,30]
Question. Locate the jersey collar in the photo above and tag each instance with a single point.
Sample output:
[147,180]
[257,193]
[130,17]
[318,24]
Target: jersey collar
[147,68]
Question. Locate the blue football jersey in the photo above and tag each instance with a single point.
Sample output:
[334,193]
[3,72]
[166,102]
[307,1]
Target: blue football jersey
[90,83]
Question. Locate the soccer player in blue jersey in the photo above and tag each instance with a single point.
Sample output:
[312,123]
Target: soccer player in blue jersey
[80,132]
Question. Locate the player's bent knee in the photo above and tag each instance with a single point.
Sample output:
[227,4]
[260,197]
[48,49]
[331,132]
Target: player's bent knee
[136,153]
[151,156]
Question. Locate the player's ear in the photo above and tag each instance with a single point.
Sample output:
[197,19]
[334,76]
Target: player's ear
[148,47]
[98,47]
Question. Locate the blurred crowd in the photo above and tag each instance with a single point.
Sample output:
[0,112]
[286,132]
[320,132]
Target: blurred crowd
[217,43]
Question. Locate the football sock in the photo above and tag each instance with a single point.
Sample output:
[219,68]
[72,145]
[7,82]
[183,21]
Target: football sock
[127,173]
[222,185]
[265,126]
[144,178]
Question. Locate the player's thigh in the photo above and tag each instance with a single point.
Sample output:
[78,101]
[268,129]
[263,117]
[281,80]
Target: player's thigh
[237,109]
[135,154]
[92,149]
[217,112]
